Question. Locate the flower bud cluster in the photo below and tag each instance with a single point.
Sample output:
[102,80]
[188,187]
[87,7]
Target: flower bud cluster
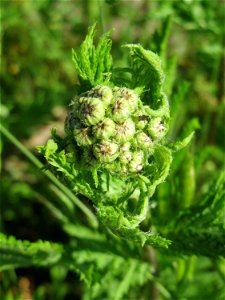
[112,129]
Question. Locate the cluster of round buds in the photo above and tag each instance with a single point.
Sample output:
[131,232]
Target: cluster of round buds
[112,129]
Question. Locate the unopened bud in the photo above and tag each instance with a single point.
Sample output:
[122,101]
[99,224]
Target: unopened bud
[125,131]
[128,96]
[141,120]
[91,111]
[105,151]
[104,129]
[137,162]
[143,140]
[103,92]
[125,147]
[126,157]
[138,156]
[120,111]
[156,129]
[83,136]
[135,167]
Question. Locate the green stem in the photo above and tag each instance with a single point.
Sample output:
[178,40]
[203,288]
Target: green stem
[54,210]
[101,16]
[91,217]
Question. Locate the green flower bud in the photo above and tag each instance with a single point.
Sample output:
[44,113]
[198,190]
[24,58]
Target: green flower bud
[91,111]
[126,157]
[136,164]
[113,129]
[128,96]
[106,151]
[83,136]
[135,167]
[141,120]
[104,129]
[156,129]
[125,131]
[125,147]
[143,140]
[104,92]
[138,156]
[120,111]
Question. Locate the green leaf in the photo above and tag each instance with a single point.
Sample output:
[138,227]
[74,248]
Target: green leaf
[95,177]
[148,76]
[180,144]
[16,253]
[163,158]
[50,148]
[58,159]
[200,229]
[93,63]
[82,232]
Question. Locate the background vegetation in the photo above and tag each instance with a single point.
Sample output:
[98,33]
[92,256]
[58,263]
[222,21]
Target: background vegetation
[38,79]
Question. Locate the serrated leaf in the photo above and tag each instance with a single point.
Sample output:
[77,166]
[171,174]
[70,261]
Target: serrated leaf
[200,228]
[180,144]
[16,253]
[93,63]
[50,148]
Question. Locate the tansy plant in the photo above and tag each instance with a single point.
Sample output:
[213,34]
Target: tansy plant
[115,151]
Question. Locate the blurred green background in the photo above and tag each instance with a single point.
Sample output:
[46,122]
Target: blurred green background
[37,84]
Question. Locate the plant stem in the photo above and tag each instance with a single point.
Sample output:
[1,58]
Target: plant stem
[53,209]
[91,217]
[101,17]
[152,260]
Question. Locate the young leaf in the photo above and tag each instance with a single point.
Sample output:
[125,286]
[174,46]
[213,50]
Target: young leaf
[200,229]
[93,63]
[16,253]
